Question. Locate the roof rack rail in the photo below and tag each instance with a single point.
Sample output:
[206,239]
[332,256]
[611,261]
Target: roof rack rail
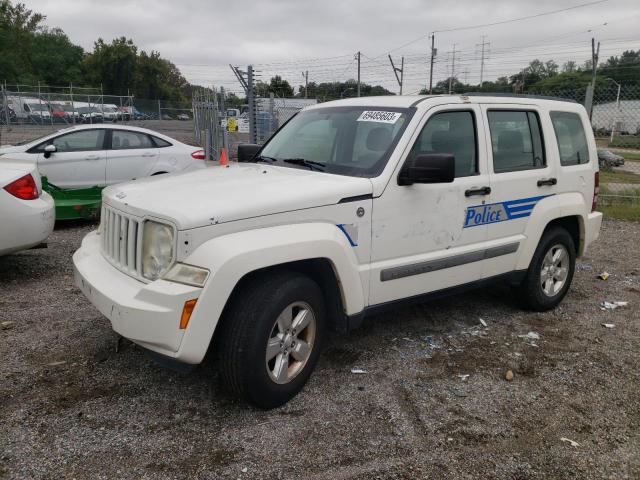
[517,95]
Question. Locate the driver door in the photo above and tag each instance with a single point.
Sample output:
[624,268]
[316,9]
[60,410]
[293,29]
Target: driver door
[423,239]
[79,160]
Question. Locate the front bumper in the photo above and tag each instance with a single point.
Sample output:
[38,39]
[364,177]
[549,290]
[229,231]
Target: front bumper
[145,313]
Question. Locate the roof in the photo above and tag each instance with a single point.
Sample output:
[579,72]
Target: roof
[406,101]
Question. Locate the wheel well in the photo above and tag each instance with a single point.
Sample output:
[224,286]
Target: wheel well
[572,225]
[319,269]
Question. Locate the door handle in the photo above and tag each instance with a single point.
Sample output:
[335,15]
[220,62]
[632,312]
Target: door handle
[92,157]
[148,155]
[547,181]
[472,192]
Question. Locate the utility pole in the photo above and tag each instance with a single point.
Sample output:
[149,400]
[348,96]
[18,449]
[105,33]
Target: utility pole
[358,58]
[400,78]
[482,45]
[595,53]
[305,75]
[453,67]
[433,54]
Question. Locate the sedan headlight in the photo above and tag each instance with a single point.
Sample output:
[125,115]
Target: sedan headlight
[187,274]
[157,249]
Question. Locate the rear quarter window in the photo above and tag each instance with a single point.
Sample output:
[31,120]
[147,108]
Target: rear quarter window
[571,138]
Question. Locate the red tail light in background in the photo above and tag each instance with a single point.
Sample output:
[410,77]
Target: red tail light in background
[596,191]
[198,155]
[24,188]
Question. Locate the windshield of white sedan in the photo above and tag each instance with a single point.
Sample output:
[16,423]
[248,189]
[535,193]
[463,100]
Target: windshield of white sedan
[355,141]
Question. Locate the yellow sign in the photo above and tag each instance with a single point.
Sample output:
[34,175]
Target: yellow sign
[232,124]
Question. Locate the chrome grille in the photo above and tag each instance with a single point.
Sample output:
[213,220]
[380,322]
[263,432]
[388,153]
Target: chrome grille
[121,240]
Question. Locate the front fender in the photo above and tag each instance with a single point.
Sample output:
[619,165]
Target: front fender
[547,210]
[231,257]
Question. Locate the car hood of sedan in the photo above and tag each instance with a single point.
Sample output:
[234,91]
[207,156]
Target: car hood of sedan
[11,149]
[226,194]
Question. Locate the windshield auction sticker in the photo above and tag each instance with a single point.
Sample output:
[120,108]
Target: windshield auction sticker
[379,116]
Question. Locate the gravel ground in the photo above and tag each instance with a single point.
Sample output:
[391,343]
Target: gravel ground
[71,407]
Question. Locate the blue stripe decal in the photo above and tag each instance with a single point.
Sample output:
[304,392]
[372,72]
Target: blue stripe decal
[351,242]
[500,212]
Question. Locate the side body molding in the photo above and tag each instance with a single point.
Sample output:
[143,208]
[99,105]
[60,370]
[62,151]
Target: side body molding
[231,257]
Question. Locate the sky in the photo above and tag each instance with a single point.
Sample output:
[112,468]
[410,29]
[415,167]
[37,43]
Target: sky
[289,37]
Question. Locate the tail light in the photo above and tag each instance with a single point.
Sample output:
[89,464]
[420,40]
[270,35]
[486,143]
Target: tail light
[596,191]
[198,155]
[24,188]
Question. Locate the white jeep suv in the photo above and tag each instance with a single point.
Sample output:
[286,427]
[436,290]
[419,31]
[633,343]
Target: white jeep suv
[352,207]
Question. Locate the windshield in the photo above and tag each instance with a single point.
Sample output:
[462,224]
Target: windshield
[38,107]
[354,141]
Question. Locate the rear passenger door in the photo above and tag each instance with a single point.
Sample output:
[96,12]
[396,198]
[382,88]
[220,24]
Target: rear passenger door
[521,176]
[132,155]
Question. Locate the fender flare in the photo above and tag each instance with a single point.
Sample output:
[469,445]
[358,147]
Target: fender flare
[230,257]
[546,211]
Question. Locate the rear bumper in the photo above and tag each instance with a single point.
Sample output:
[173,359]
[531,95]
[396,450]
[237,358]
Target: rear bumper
[26,223]
[592,229]
[145,313]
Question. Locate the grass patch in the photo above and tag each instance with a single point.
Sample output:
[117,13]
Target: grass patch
[619,177]
[623,205]
[626,141]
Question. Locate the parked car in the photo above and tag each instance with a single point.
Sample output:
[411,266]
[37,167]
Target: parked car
[352,207]
[607,159]
[26,212]
[98,155]
[110,112]
[90,115]
[166,116]
[182,116]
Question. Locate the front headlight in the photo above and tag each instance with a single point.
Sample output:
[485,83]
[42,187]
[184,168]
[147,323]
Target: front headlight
[157,249]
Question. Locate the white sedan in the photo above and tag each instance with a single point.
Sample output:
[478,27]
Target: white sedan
[100,155]
[26,212]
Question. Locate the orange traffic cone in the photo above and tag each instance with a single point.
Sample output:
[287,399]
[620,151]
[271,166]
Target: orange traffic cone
[223,157]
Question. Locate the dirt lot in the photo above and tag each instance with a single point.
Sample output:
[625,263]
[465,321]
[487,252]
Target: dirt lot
[71,407]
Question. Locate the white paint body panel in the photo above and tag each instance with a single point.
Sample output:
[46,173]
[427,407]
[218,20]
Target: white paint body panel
[83,169]
[23,223]
[242,218]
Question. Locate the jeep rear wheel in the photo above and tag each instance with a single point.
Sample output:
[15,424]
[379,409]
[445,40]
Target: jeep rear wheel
[271,339]
[550,272]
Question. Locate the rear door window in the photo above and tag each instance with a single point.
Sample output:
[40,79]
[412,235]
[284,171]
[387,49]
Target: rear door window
[127,140]
[572,141]
[516,140]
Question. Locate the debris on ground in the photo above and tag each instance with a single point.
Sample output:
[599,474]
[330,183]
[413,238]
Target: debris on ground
[358,371]
[508,376]
[584,266]
[483,323]
[572,442]
[605,305]
[56,364]
[244,470]
[7,325]
[603,276]
[530,336]
[608,325]
[463,377]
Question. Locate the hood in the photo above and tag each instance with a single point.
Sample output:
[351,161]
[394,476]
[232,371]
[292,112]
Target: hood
[11,149]
[225,194]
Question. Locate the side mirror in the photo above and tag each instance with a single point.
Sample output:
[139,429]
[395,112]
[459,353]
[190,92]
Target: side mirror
[48,150]
[246,151]
[431,168]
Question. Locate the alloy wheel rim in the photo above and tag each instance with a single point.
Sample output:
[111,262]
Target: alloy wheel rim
[555,270]
[290,342]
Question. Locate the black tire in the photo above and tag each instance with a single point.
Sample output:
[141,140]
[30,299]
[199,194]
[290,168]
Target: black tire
[248,324]
[530,292]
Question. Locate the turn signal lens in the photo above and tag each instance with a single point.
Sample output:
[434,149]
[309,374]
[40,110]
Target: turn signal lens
[187,310]
[24,188]
[198,155]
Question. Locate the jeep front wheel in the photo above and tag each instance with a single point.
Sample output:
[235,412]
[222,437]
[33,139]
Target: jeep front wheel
[272,335]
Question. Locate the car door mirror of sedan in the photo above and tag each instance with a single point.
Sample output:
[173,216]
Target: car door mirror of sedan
[431,168]
[49,149]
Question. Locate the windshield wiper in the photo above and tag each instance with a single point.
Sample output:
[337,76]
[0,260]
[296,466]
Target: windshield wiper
[306,163]
[262,158]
